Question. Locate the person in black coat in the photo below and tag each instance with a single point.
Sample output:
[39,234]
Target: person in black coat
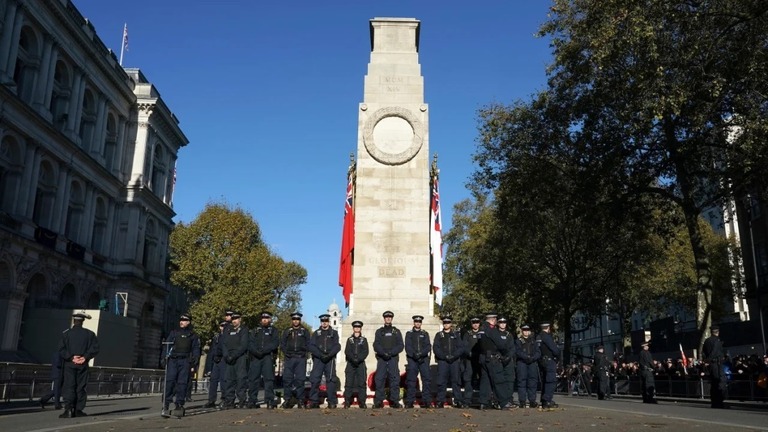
[77,347]
[508,362]
[713,354]
[449,350]
[387,344]
[528,355]
[602,373]
[356,351]
[234,346]
[294,343]
[183,357]
[418,348]
[648,383]
[550,354]
[323,345]
[56,375]
[214,367]
[262,348]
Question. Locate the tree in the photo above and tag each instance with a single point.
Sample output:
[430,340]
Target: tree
[221,261]
[670,97]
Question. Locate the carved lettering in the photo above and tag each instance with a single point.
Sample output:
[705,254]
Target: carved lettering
[392,79]
[392,272]
[393,89]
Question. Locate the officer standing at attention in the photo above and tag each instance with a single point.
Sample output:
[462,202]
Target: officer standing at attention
[77,347]
[234,346]
[449,352]
[471,363]
[262,347]
[603,371]
[491,373]
[215,367]
[508,362]
[183,356]
[712,353]
[323,345]
[355,351]
[417,352]
[528,355]
[387,344]
[224,383]
[646,374]
[550,353]
[294,343]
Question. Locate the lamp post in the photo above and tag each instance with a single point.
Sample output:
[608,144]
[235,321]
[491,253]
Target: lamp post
[754,266]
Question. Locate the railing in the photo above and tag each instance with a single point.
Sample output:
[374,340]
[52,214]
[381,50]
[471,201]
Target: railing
[692,387]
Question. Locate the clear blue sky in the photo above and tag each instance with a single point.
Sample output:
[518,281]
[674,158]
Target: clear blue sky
[267,93]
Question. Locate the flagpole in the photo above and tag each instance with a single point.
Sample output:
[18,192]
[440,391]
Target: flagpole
[123,42]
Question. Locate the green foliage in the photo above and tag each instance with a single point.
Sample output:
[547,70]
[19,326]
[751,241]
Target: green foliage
[221,261]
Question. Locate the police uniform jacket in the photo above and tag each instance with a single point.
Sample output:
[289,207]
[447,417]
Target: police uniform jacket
[295,342]
[712,351]
[78,341]
[184,344]
[508,348]
[214,353]
[448,346]
[549,350]
[263,341]
[388,342]
[472,345]
[234,343]
[356,350]
[602,363]
[491,343]
[527,350]
[417,344]
[324,344]
[646,360]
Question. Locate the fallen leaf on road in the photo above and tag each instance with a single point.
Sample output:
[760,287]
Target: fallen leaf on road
[467,415]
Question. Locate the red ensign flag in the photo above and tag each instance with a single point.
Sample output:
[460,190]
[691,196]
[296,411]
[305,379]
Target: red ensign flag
[347,243]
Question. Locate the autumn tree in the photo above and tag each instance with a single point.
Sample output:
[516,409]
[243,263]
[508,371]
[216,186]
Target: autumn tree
[221,261]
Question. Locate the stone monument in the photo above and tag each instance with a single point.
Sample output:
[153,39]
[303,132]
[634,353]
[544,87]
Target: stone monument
[392,198]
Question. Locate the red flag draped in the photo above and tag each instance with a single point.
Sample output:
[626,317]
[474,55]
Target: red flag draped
[347,243]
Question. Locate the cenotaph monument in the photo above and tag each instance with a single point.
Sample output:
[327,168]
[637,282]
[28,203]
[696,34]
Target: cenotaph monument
[391,268]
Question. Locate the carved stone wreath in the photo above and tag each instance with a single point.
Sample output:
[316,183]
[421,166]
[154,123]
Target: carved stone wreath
[380,154]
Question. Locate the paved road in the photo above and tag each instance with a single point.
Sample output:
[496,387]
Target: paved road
[574,415]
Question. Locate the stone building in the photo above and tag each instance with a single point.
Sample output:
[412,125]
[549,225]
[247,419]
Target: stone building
[87,168]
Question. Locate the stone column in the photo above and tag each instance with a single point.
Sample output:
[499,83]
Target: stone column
[59,217]
[10,41]
[97,141]
[86,223]
[41,84]
[49,80]
[29,180]
[75,100]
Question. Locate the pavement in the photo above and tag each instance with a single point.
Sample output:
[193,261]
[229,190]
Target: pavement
[575,414]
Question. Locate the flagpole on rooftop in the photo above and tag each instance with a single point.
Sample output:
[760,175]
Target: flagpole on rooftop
[124,43]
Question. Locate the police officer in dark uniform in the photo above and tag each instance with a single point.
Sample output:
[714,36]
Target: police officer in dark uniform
[323,345]
[183,355]
[528,355]
[355,374]
[550,353]
[418,349]
[77,347]
[471,365]
[387,344]
[215,367]
[262,347]
[491,372]
[646,374]
[448,347]
[713,354]
[234,346]
[603,374]
[294,343]
[55,393]
[225,384]
[508,362]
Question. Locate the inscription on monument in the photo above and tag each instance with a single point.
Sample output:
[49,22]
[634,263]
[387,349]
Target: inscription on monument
[392,272]
[393,260]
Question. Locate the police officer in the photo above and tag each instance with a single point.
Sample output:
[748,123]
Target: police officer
[387,344]
[355,352]
[550,353]
[183,355]
[262,347]
[646,374]
[603,373]
[323,345]
[491,372]
[234,346]
[508,362]
[448,347]
[225,384]
[55,393]
[215,367]
[713,354]
[471,365]
[528,355]
[77,347]
[294,343]
[417,352]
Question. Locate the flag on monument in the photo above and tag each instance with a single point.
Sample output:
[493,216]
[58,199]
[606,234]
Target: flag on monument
[436,244]
[347,243]
[685,359]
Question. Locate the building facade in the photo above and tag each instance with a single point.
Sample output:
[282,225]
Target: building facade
[87,169]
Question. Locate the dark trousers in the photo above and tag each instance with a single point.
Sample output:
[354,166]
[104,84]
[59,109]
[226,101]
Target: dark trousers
[717,385]
[449,373]
[319,369]
[603,384]
[508,379]
[215,379]
[237,380]
[414,369]
[470,377]
[176,380]
[492,381]
[261,370]
[549,376]
[387,371]
[648,385]
[55,392]
[527,381]
[355,382]
[294,374]
[74,387]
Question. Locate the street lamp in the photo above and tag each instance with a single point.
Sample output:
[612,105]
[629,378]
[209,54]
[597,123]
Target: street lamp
[754,266]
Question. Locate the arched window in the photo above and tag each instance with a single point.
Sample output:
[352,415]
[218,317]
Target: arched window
[150,246]
[75,212]
[99,227]
[45,195]
[62,88]
[37,292]
[93,301]
[27,63]
[88,121]
[110,143]
[6,278]
[158,170]
[68,297]
[11,168]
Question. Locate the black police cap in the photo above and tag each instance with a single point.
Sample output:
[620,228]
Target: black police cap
[418,318]
[388,314]
[357,323]
[325,317]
